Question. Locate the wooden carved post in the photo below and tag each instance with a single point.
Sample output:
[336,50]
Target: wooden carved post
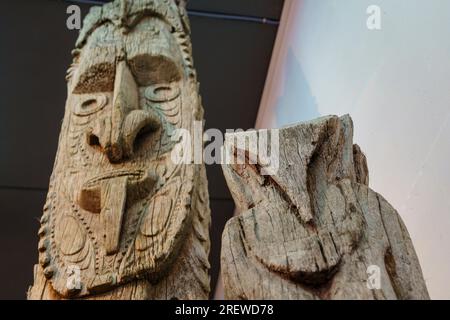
[122,220]
[312,229]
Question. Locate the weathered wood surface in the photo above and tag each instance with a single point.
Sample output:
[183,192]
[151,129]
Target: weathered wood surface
[122,220]
[314,229]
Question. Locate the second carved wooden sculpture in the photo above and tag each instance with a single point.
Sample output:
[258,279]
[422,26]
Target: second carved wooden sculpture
[314,229]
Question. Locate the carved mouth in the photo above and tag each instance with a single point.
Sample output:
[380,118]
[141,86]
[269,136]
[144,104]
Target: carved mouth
[133,176]
[137,184]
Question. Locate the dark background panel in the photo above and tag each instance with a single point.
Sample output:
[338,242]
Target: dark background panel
[20,210]
[232,58]
[223,211]
[34,55]
[270,9]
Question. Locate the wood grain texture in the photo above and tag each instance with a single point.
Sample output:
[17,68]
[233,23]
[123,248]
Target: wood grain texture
[314,229]
[122,220]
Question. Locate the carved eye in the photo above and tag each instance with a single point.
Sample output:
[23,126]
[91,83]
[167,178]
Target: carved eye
[162,92]
[89,105]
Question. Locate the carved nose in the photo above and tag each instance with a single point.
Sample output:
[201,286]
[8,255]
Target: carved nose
[117,133]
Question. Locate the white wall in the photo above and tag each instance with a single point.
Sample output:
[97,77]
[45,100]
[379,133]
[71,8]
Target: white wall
[395,83]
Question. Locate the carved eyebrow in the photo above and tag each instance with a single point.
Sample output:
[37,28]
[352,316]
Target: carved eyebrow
[97,78]
[96,73]
[151,69]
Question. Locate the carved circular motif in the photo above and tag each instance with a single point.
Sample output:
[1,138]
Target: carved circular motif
[162,92]
[87,106]
[69,235]
[157,216]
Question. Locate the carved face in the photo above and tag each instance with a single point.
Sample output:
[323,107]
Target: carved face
[117,206]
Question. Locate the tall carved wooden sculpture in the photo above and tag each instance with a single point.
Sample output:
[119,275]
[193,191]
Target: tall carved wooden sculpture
[313,229]
[122,220]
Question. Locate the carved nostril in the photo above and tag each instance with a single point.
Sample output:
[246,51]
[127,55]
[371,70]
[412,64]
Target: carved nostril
[93,140]
[112,151]
[143,135]
[138,127]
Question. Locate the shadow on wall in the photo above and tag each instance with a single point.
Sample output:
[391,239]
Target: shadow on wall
[288,105]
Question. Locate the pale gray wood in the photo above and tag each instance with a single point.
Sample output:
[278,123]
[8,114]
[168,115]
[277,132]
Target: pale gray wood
[312,229]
